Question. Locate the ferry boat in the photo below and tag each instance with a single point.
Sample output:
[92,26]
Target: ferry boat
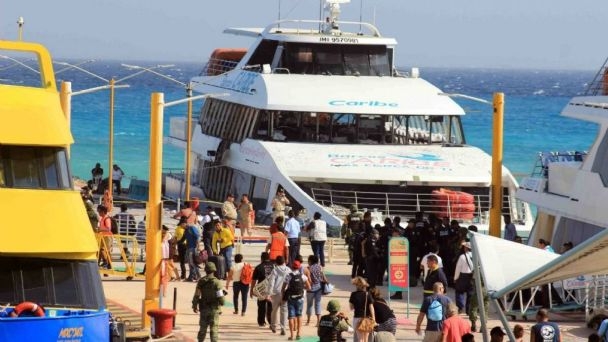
[50,288]
[569,188]
[318,108]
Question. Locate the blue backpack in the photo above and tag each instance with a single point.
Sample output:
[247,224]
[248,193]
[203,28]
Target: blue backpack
[435,311]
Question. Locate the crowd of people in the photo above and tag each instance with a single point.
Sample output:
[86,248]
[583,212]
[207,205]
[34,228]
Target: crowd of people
[288,292]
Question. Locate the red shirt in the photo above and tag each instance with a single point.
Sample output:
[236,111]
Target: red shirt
[105,225]
[454,327]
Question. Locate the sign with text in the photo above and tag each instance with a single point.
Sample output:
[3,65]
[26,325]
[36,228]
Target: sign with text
[398,264]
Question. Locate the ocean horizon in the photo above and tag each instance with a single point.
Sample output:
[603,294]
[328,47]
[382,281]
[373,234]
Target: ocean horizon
[533,101]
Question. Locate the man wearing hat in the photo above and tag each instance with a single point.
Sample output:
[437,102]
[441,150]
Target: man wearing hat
[333,324]
[208,298]
[463,278]
[279,202]
[229,212]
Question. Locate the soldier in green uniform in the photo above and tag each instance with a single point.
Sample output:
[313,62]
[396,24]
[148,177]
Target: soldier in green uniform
[208,298]
[332,326]
[351,226]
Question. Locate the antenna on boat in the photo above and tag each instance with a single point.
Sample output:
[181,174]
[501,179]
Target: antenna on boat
[279,24]
[320,14]
[360,17]
[20,22]
[333,11]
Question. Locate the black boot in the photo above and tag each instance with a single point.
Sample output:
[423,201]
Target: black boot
[397,295]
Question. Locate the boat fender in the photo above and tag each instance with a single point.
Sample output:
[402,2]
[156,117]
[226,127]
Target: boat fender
[35,309]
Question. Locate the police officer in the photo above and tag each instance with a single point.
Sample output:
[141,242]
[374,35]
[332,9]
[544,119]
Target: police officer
[208,298]
[352,225]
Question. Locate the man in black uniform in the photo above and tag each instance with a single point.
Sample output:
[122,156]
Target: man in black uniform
[351,226]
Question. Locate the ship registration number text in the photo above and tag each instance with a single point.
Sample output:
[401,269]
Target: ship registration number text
[339,40]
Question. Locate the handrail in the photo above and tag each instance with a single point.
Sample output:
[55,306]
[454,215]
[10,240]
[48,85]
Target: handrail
[407,204]
[277,25]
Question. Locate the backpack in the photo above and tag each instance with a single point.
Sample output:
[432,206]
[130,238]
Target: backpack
[295,289]
[208,290]
[113,225]
[435,311]
[327,328]
[246,274]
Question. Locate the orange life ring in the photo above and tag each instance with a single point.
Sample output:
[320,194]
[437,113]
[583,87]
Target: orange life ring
[30,307]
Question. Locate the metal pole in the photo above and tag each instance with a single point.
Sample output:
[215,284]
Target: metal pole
[174,304]
[188,141]
[111,139]
[65,97]
[154,209]
[479,293]
[497,142]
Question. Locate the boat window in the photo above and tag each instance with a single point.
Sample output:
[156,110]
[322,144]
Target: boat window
[50,282]
[326,59]
[34,167]
[344,128]
[263,54]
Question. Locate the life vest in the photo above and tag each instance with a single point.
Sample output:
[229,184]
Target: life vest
[327,328]
[277,245]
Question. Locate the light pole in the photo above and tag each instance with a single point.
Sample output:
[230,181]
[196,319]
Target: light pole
[188,86]
[112,84]
[154,208]
[498,104]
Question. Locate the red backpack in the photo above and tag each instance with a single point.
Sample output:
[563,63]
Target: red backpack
[247,274]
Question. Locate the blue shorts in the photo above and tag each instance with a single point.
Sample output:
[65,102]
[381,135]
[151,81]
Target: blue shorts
[294,307]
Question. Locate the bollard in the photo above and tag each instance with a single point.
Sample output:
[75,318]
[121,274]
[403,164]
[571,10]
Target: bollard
[174,304]
[161,321]
[331,250]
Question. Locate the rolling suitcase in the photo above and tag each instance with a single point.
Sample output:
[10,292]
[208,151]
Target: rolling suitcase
[220,264]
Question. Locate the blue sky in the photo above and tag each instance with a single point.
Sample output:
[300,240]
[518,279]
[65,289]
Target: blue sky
[537,34]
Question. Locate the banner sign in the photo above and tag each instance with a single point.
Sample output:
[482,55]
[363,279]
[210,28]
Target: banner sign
[398,264]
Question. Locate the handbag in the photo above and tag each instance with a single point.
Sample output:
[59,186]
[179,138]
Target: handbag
[201,257]
[366,324]
[262,289]
[327,288]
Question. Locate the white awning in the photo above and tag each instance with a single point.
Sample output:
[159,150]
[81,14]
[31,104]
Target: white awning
[508,266]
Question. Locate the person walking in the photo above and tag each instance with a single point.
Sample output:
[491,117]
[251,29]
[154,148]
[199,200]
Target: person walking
[314,273]
[260,273]
[105,230]
[245,209]
[292,230]
[317,230]
[277,278]
[117,175]
[454,327]
[238,287]
[463,278]
[278,245]
[544,331]
[192,236]
[434,307]
[361,303]
[229,212]
[293,293]
[182,249]
[223,236]
[208,299]
[435,275]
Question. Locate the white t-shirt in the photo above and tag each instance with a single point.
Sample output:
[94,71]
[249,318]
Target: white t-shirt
[236,269]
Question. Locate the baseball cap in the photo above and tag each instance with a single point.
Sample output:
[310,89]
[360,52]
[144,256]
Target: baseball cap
[498,331]
[296,264]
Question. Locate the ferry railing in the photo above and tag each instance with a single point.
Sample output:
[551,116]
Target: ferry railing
[598,85]
[217,66]
[407,204]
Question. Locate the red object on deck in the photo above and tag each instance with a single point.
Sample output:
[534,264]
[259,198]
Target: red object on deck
[162,321]
[454,204]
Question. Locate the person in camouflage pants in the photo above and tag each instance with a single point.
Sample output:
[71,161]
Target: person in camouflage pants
[208,299]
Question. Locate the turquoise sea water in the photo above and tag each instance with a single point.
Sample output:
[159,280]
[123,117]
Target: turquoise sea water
[533,101]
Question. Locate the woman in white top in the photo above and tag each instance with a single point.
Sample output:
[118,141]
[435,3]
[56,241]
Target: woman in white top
[234,275]
[317,230]
[463,276]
